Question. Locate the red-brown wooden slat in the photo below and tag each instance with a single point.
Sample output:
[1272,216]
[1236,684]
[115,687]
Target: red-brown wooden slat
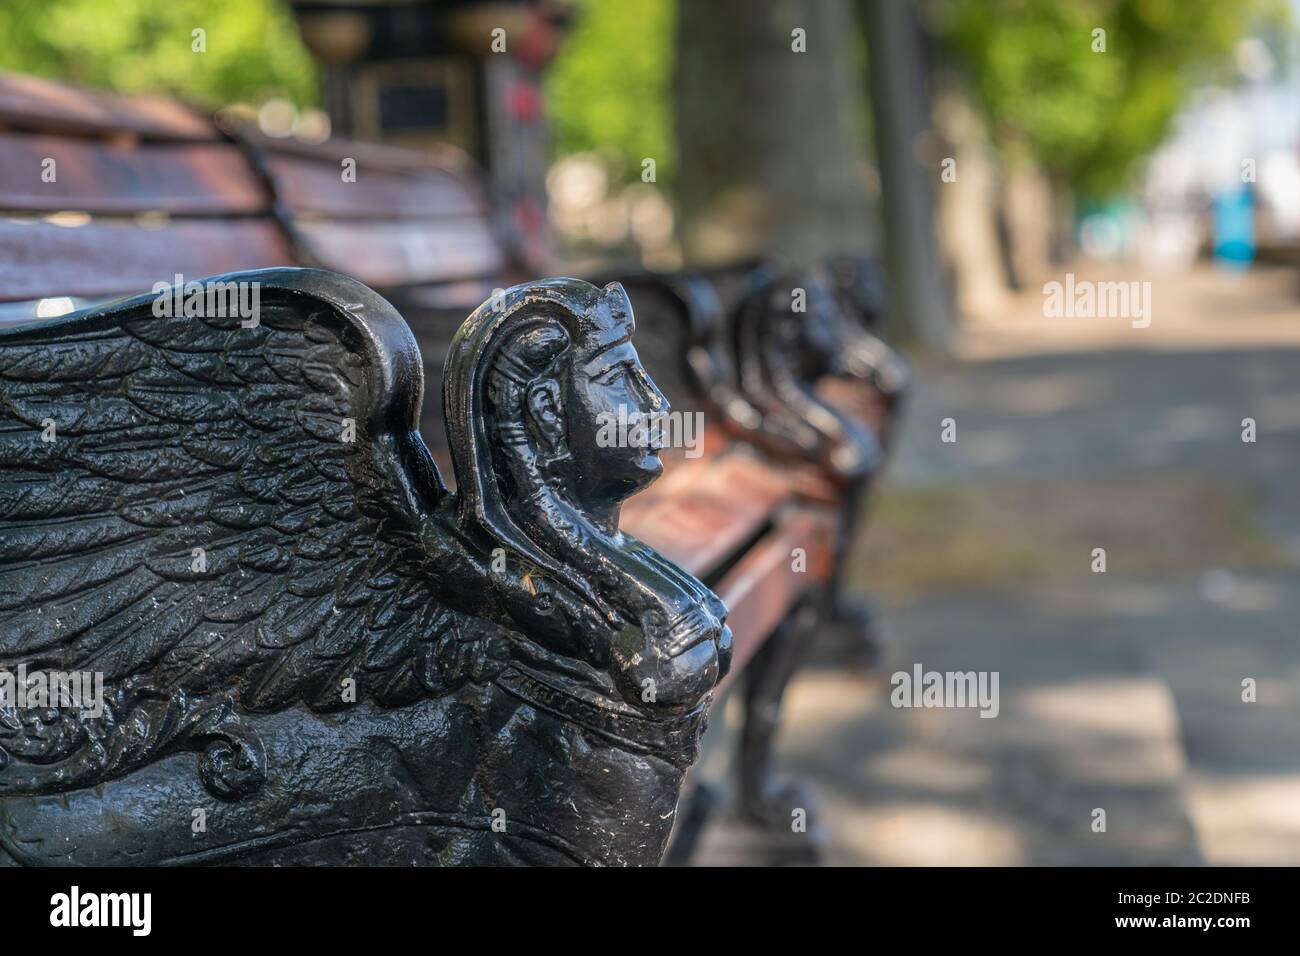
[855,398]
[439,157]
[679,471]
[405,252]
[106,177]
[109,257]
[34,103]
[313,186]
[706,513]
[763,587]
[677,477]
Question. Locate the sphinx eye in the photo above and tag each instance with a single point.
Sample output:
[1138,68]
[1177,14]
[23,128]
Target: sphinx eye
[614,373]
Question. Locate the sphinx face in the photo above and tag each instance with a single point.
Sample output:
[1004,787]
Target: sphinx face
[575,428]
[614,411]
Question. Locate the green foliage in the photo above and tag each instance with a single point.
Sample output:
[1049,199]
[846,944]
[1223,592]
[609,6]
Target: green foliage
[610,88]
[253,48]
[1086,116]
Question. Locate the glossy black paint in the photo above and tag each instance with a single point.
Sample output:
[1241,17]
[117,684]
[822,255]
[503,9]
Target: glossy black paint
[313,652]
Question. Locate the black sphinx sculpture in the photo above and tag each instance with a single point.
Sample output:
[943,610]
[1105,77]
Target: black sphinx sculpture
[312,652]
[782,354]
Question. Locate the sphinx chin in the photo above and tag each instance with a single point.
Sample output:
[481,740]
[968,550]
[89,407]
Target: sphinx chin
[636,475]
[652,465]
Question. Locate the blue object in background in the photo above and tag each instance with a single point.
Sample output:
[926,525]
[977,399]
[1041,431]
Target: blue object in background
[1234,227]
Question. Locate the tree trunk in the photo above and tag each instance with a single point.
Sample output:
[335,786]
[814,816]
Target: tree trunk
[901,111]
[771,140]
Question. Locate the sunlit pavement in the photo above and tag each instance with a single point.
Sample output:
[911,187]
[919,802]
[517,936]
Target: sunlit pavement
[1120,691]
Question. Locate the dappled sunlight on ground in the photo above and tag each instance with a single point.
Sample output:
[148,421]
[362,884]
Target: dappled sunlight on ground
[1206,308]
[1122,690]
[1247,820]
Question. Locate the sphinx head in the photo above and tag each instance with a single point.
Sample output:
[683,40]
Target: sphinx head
[534,379]
[563,388]
[824,336]
[828,334]
[791,320]
[859,284]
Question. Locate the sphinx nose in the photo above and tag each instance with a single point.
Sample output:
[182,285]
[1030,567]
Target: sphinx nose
[657,400]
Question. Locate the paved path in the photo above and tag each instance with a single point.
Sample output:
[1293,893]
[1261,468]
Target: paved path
[1120,691]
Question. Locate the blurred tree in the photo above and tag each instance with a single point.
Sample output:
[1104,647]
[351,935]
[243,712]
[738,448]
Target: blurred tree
[770,130]
[919,304]
[253,50]
[1084,114]
[609,90]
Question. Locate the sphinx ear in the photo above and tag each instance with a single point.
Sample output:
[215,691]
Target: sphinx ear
[546,413]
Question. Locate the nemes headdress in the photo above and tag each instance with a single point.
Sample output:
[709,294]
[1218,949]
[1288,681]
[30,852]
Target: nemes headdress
[507,336]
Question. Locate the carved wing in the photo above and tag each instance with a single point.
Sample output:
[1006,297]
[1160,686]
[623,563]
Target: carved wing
[214,517]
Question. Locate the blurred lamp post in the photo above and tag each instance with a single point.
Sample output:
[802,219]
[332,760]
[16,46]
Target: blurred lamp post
[464,73]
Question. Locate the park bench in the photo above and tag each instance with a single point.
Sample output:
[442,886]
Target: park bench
[818,393]
[141,190]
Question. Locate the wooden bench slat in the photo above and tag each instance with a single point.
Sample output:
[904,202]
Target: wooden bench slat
[108,258]
[857,399]
[311,186]
[406,252]
[381,157]
[762,587]
[706,515]
[679,471]
[31,102]
[105,177]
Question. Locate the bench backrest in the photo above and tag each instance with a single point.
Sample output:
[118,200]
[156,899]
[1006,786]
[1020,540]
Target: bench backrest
[135,190]
[144,189]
